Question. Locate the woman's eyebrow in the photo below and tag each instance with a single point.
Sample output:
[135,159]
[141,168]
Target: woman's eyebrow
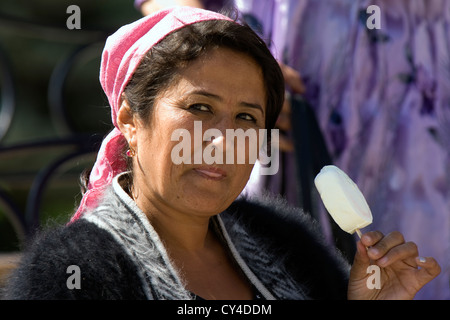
[219,98]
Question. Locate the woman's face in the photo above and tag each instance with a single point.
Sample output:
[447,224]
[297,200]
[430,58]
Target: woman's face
[222,90]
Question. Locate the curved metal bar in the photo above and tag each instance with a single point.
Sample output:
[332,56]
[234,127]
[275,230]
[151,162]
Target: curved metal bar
[58,82]
[22,222]
[14,215]
[34,200]
[8,95]
[85,145]
[88,142]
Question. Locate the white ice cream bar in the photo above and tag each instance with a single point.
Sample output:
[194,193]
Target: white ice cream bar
[343,199]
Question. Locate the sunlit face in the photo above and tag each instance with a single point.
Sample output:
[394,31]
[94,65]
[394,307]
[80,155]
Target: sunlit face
[224,90]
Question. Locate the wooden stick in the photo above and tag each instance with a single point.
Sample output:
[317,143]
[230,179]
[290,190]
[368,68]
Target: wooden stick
[359,233]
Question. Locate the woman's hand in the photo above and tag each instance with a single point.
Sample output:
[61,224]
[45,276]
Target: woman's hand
[402,272]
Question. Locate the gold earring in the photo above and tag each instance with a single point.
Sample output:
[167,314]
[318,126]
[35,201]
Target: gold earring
[131,152]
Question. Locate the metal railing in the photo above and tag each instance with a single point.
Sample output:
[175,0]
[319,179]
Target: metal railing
[25,218]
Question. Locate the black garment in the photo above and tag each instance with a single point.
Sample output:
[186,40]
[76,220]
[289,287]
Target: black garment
[256,295]
[120,256]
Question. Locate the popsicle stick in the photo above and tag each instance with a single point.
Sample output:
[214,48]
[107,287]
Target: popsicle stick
[360,235]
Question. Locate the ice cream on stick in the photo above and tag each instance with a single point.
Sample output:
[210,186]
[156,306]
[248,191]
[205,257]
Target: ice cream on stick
[343,199]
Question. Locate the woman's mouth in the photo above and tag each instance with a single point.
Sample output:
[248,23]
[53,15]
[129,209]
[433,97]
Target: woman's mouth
[212,173]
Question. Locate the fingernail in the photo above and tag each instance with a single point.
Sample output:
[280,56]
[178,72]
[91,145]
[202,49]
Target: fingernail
[374,251]
[366,238]
[383,261]
[422,260]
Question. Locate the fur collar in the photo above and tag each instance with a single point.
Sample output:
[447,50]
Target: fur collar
[277,247]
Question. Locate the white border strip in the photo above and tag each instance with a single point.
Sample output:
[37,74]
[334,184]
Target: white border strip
[249,273]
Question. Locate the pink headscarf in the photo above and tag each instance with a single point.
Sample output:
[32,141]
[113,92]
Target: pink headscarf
[121,56]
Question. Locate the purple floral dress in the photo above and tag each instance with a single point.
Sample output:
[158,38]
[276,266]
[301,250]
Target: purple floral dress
[382,100]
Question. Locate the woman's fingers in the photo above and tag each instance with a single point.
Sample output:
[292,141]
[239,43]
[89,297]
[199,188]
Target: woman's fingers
[428,269]
[402,268]
[406,252]
[372,237]
[385,250]
[379,245]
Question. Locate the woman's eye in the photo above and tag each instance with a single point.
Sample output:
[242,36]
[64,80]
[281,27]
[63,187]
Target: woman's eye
[247,117]
[199,107]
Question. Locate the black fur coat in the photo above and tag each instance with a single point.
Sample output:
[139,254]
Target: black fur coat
[119,255]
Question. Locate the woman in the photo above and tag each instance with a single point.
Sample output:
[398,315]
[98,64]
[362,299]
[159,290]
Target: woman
[148,228]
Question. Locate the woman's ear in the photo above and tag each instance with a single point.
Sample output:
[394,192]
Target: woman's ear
[126,121]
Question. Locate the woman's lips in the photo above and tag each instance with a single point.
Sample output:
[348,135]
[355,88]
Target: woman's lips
[211,173]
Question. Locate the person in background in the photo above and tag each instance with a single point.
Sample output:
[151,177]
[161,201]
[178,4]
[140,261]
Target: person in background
[381,98]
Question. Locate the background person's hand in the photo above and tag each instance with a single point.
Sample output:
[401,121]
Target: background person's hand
[293,81]
[284,124]
[292,78]
[402,272]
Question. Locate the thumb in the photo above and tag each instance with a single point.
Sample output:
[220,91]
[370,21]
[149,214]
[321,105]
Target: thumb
[360,262]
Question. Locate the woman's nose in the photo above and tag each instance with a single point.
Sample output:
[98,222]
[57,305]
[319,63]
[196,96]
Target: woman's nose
[216,133]
[215,147]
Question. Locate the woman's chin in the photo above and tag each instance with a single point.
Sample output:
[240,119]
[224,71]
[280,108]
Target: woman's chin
[205,192]
[210,201]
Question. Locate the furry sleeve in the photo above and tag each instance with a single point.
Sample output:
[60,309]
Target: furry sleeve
[105,270]
[296,240]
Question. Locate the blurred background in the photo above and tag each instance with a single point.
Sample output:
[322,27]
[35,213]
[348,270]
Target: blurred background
[53,112]
[379,100]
